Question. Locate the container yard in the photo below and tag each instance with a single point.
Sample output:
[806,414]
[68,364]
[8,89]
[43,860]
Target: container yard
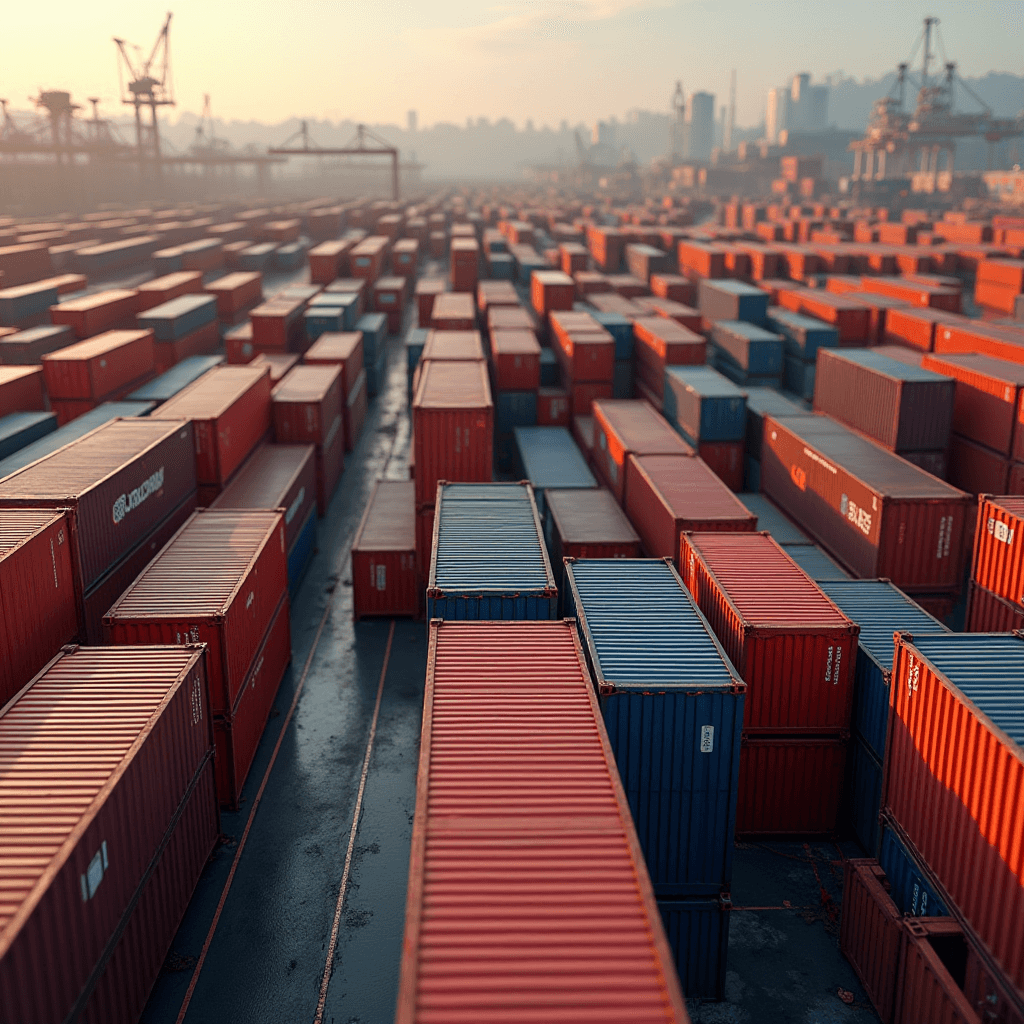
[587,592]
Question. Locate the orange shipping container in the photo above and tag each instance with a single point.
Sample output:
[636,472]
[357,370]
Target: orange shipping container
[93,314]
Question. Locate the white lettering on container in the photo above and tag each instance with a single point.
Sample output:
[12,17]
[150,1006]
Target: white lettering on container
[133,499]
[1001,531]
[828,665]
[381,576]
[53,558]
[295,505]
[249,600]
[913,675]
[197,701]
[707,739]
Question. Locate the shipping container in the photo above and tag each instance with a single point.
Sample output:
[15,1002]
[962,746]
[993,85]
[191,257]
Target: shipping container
[976,469]
[801,335]
[673,706]
[904,408]
[585,350]
[877,514]
[623,428]
[101,311]
[762,402]
[516,359]
[698,932]
[100,367]
[98,793]
[230,411]
[999,547]
[385,577]
[816,563]
[916,328]
[180,316]
[462,345]
[468,952]
[19,429]
[704,405]
[236,293]
[26,348]
[175,380]
[863,793]
[879,609]
[548,457]
[957,728]
[870,933]
[488,558]
[747,348]
[732,300]
[21,389]
[989,613]
[911,891]
[219,582]
[928,992]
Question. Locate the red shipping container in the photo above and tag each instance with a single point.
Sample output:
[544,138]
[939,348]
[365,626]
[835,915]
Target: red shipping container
[725,459]
[230,410]
[928,993]
[509,318]
[24,263]
[38,609]
[591,282]
[238,344]
[659,342]
[238,735]
[998,340]
[453,426]
[989,613]
[583,394]
[977,469]
[871,933]
[697,260]
[99,794]
[280,364]
[101,366]
[989,992]
[120,481]
[915,292]
[495,295]
[987,398]
[21,389]
[584,353]
[202,341]
[490,861]
[461,346]
[277,324]
[465,254]
[219,581]
[792,645]
[515,356]
[343,348]
[587,523]
[996,297]
[1006,273]
[553,407]
[236,292]
[93,314]
[667,495]
[551,290]
[325,260]
[307,404]
[999,547]
[947,760]
[275,476]
[790,786]
[851,318]
[916,328]
[170,286]
[427,290]
[878,515]
[687,316]
[384,573]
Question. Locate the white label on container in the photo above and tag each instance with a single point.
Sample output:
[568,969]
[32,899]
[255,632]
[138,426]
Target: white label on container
[249,600]
[707,739]
[828,665]
[913,675]
[53,558]
[197,701]
[1000,531]
[90,881]
[295,505]
[381,574]
[134,498]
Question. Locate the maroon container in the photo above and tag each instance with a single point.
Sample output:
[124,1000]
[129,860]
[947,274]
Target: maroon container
[515,356]
[453,426]
[554,407]
[999,547]
[989,613]
[38,608]
[876,513]
[725,459]
[871,933]
[97,793]
[427,290]
[230,410]
[903,408]
[989,991]
[344,349]
[101,366]
[586,523]
[667,495]
[453,311]
[928,993]
[384,574]
[219,581]
[275,476]
[21,389]
[101,311]
[307,405]
[238,735]
[453,345]
[585,350]
[120,481]
[977,469]
[790,786]
[793,646]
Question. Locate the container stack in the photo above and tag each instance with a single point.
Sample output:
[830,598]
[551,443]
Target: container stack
[660,342]
[747,354]
[374,328]
[223,581]
[999,284]
[385,579]
[345,350]
[185,326]
[995,599]
[802,337]
[673,706]
[760,403]
[795,650]
[586,357]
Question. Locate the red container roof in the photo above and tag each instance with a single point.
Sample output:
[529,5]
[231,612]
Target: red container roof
[589,515]
[691,489]
[389,522]
[213,393]
[451,385]
[307,383]
[17,525]
[460,346]
[334,346]
[101,345]
[265,477]
[641,429]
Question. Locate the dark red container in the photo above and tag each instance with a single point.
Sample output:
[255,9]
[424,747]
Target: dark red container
[989,613]
[871,933]
[427,290]
[21,389]
[989,991]
[280,363]
[587,523]
[277,324]
[384,573]
[916,328]
[523,846]
[236,293]
[238,735]
[120,481]
[326,259]
[202,341]
[725,459]
[38,608]
[876,513]
[97,793]
[583,394]
[667,495]
[170,286]
[453,426]
[792,645]
[515,356]
[219,582]
[238,344]
[790,786]
[509,318]
[554,407]
[101,311]
[999,547]
[624,427]
[851,318]
[453,345]
[977,469]
[230,410]
[307,404]
[551,290]
[660,342]
[585,350]
[928,993]
[453,311]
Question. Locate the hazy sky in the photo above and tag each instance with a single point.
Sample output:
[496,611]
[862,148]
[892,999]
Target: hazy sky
[448,59]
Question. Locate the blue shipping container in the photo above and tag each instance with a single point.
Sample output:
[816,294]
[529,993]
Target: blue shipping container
[301,552]
[319,320]
[815,562]
[375,332]
[177,317]
[771,518]
[514,409]
[19,429]
[168,384]
[375,373]
[911,891]
[799,377]
[501,265]
[548,368]
[549,457]
[751,474]
[489,559]
[729,300]
[622,379]
[256,257]
[748,347]
[17,304]
[620,328]
[864,793]
[673,706]
[698,932]
[290,256]
[880,609]
[802,335]
[703,404]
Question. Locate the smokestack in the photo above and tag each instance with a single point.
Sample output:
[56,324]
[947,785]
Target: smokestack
[730,123]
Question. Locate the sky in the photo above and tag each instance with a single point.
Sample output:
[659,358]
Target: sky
[545,60]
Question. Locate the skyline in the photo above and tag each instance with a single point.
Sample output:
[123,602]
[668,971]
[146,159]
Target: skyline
[545,62]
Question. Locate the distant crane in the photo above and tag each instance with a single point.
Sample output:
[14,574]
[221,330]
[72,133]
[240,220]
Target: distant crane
[60,109]
[206,140]
[149,85]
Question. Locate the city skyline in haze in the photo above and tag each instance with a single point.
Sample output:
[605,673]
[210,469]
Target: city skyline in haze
[543,61]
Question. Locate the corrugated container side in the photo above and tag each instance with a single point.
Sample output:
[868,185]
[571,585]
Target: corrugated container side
[989,613]
[989,992]
[928,993]
[999,547]
[911,891]
[698,932]
[384,570]
[864,793]
[870,933]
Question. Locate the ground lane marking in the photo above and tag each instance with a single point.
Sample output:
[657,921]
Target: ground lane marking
[346,873]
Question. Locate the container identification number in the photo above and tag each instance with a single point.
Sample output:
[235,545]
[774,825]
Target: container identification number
[832,670]
[860,517]
[945,533]
[707,739]
[134,498]
[1000,531]
[197,701]
[381,576]
[913,676]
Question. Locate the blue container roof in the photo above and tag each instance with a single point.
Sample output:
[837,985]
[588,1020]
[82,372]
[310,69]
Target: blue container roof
[735,287]
[373,321]
[168,384]
[880,609]
[774,520]
[743,329]
[489,541]
[988,668]
[181,306]
[643,629]
[706,381]
[815,562]
[17,423]
[801,322]
[890,367]
[551,458]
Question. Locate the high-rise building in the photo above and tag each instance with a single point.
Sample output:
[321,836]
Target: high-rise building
[775,119]
[801,107]
[702,125]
